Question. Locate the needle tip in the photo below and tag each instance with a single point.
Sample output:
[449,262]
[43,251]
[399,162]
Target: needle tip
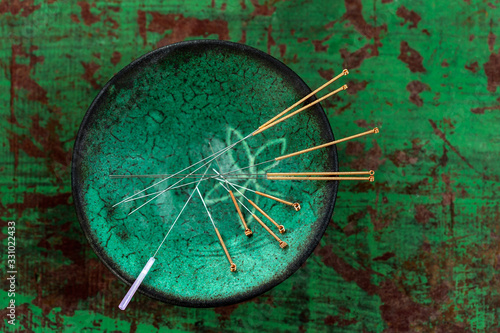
[345,72]
[376,130]
[344,86]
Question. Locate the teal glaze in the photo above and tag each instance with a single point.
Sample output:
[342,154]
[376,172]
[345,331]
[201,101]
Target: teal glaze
[158,116]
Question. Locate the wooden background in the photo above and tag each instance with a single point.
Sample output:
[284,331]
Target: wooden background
[416,251]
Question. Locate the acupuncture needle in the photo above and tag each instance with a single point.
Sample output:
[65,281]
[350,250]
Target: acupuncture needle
[233,266]
[322,175]
[281,243]
[280,227]
[343,73]
[128,297]
[263,128]
[295,205]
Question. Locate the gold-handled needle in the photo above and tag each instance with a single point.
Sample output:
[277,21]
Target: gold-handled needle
[233,266]
[295,205]
[282,243]
[248,232]
[370,178]
[281,228]
[372,131]
[262,129]
[333,173]
[344,72]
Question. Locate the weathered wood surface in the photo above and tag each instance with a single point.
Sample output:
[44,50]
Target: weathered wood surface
[418,250]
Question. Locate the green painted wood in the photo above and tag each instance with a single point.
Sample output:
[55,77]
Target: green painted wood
[416,252]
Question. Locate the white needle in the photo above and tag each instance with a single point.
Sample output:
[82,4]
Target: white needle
[128,297]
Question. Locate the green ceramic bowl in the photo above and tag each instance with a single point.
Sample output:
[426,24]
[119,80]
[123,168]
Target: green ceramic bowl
[157,116]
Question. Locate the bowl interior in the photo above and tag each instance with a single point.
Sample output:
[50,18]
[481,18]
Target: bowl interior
[166,111]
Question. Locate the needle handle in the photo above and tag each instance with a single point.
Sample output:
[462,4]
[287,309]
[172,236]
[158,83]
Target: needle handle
[137,283]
